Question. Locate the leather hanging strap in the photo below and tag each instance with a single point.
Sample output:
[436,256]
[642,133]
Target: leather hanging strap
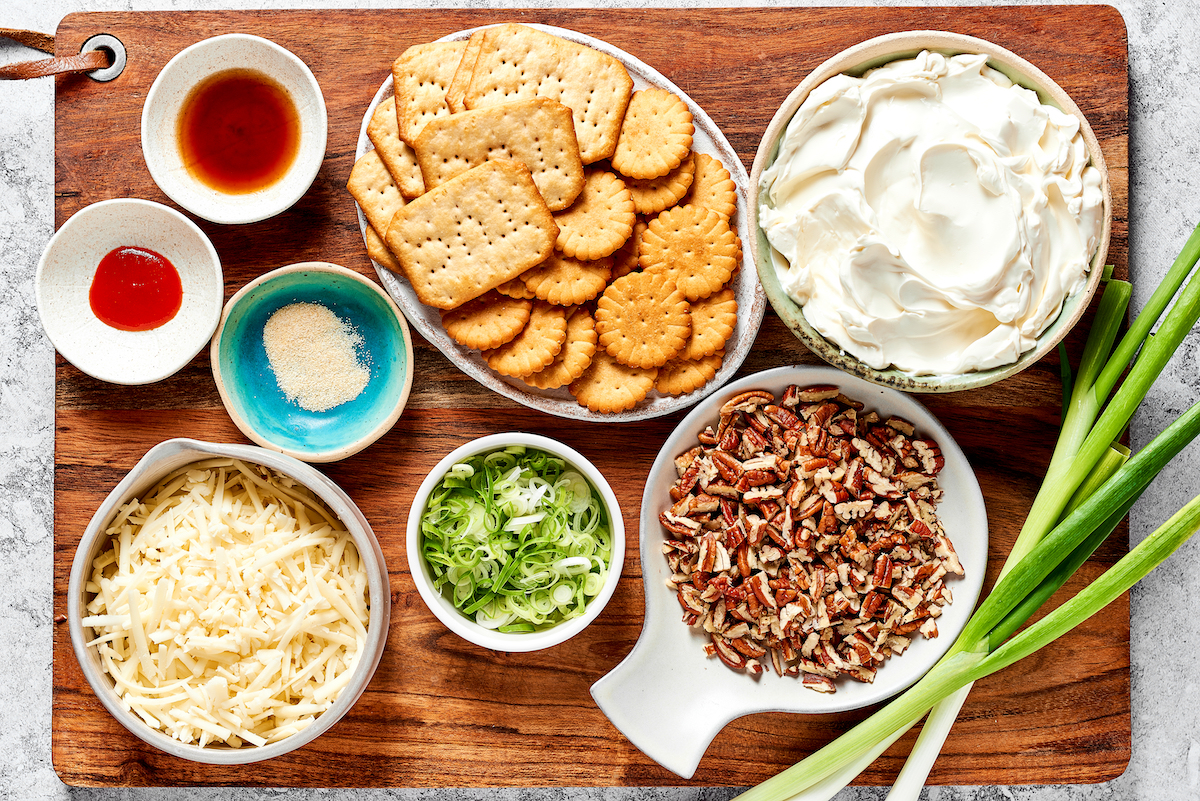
[34,39]
[83,62]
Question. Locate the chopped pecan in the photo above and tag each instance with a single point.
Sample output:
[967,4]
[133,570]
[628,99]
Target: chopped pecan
[747,402]
[803,536]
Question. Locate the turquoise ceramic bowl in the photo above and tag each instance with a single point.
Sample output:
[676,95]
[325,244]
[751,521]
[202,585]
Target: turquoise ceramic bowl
[249,388]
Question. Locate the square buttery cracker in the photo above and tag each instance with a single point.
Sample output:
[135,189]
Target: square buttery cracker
[472,233]
[374,190]
[397,155]
[377,250]
[462,75]
[537,132]
[517,62]
[421,76]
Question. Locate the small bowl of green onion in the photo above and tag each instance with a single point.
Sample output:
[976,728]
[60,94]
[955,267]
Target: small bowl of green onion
[515,542]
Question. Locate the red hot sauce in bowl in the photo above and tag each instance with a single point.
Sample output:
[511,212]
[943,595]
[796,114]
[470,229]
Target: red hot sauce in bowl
[135,289]
[239,131]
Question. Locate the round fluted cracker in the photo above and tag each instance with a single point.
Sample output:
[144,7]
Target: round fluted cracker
[565,281]
[712,186]
[653,195]
[625,260]
[535,347]
[516,288]
[655,136]
[681,376]
[599,221]
[608,386]
[575,356]
[713,321]
[694,247]
[487,322]
[643,320]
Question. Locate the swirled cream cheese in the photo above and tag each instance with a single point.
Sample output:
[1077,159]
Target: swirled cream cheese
[931,215]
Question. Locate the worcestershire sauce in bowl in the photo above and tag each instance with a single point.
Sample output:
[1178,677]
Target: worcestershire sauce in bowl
[239,132]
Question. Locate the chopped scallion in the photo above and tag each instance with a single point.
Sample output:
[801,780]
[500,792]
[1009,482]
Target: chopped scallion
[516,539]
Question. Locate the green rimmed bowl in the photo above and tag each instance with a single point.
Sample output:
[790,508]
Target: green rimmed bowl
[856,61]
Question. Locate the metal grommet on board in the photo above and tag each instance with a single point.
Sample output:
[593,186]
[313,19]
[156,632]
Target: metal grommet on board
[112,45]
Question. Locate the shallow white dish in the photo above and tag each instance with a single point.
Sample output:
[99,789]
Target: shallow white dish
[559,402]
[161,460]
[164,104]
[456,621]
[64,278]
[641,696]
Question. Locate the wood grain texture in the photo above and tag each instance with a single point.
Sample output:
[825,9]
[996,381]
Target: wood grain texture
[441,712]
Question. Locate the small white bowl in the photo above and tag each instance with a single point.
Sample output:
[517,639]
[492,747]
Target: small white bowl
[64,278]
[164,104]
[465,627]
[161,460]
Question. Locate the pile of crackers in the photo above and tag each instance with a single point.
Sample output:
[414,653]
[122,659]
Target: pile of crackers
[560,220]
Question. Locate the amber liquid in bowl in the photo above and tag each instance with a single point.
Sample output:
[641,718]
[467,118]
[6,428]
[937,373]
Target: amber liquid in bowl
[239,132]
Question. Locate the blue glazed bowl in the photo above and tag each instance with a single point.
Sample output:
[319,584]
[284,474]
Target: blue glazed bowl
[249,388]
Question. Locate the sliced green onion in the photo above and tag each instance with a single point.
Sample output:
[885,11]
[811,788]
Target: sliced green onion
[516,539]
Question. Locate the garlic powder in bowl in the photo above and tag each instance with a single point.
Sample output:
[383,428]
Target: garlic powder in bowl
[930,215]
[313,360]
[314,356]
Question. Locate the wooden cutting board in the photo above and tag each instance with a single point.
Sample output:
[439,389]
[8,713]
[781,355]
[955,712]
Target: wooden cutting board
[441,712]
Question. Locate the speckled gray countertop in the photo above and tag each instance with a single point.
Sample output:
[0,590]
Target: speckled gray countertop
[1164,206]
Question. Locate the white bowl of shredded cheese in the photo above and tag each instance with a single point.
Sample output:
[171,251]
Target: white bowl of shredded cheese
[228,604]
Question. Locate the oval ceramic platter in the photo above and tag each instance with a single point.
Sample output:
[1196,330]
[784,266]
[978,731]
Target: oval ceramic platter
[559,402]
[641,695]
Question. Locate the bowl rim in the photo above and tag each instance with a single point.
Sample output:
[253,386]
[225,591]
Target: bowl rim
[152,467]
[216,212]
[512,642]
[332,454]
[874,53]
[120,205]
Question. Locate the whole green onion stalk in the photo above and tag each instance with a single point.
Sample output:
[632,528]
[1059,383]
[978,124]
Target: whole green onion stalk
[1090,485]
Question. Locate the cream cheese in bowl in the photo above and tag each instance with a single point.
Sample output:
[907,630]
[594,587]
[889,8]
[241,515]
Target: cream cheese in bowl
[931,215]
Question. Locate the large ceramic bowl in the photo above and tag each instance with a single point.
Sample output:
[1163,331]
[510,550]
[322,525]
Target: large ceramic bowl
[158,462]
[642,695]
[855,61]
[466,627]
[251,392]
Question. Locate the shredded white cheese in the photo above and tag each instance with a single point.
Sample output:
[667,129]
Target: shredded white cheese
[231,607]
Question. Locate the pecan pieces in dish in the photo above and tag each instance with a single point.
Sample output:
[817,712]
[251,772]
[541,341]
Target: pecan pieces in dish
[803,536]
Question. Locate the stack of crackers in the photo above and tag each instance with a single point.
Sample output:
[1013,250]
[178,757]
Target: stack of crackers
[560,220]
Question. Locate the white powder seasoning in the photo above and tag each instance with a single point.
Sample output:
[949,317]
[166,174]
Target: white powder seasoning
[313,354]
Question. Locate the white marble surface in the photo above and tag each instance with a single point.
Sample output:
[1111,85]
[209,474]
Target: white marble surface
[1164,206]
